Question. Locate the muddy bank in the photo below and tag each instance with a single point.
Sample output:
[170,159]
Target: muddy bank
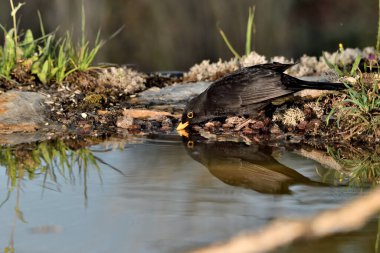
[74,111]
[84,109]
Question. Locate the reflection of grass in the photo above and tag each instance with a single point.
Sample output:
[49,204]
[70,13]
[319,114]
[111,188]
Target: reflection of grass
[362,166]
[50,160]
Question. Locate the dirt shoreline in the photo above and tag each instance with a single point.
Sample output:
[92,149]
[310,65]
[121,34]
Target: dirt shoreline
[113,101]
[82,108]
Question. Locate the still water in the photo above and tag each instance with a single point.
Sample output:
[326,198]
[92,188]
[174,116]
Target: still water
[161,195]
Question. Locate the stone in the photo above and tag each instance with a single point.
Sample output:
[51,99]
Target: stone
[275,129]
[21,112]
[313,125]
[258,125]
[125,122]
[209,126]
[247,130]
[177,95]
[302,125]
[146,114]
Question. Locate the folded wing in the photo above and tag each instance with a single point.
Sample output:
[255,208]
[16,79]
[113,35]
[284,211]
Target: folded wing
[246,87]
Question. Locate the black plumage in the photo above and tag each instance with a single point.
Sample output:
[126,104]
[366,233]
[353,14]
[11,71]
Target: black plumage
[246,92]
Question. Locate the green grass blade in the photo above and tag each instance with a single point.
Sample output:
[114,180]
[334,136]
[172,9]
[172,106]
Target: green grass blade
[248,37]
[355,65]
[230,47]
[331,65]
[83,27]
[378,31]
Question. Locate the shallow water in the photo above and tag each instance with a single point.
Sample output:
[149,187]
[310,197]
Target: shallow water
[166,196]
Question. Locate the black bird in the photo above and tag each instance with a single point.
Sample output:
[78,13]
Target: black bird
[246,92]
[251,167]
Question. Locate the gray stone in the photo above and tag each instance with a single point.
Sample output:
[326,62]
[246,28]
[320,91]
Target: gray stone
[21,112]
[177,94]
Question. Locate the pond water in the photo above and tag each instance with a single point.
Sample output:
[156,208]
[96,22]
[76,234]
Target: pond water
[161,195]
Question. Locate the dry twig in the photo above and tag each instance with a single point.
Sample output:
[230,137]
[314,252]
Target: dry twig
[349,217]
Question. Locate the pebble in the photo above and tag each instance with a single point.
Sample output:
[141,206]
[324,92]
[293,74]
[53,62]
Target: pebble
[258,125]
[247,130]
[302,125]
[125,122]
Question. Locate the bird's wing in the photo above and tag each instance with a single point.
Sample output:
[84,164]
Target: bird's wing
[276,66]
[246,87]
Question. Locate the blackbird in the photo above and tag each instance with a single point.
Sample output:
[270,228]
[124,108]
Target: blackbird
[246,92]
[250,167]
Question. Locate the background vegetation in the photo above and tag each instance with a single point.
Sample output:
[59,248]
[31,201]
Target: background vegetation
[185,32]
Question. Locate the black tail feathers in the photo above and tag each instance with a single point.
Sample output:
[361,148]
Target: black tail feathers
[296,84]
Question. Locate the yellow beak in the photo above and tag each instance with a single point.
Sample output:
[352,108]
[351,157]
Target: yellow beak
[182,126]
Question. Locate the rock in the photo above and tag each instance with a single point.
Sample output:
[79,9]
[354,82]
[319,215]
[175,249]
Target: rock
[146,114]
[167,125]
[21,112]
[313,125]
[227,126]
[302,125]
[209,126]
[235,120]
[258,125]
[177,94]
[84,127]
[19,138]
[247,130]
[125,122]
[275,129]
[244,123]
[102,112]
[310,93]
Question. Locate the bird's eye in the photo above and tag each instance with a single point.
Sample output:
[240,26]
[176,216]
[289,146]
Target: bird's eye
[190,115]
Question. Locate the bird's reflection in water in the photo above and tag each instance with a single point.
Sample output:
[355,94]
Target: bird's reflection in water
[250,167]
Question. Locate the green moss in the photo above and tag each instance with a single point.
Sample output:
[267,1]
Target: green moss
[94,100]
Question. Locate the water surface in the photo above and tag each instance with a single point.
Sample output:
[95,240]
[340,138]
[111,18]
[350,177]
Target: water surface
[167,196]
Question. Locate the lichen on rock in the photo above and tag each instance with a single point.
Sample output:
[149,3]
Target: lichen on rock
[206,71]
[129,80]
[290,117]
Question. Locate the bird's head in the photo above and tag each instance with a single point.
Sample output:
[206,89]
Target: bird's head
[193,113]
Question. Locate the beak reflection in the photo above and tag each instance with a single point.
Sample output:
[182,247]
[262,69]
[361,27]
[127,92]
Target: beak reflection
[182,126]
[183,133]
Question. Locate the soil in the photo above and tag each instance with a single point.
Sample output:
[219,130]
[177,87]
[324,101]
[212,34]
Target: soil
[84,106]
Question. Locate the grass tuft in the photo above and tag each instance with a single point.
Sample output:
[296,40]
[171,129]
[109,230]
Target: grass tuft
[359,112]
[49,58]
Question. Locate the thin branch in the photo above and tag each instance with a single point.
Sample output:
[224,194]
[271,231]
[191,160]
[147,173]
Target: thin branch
[349,217]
